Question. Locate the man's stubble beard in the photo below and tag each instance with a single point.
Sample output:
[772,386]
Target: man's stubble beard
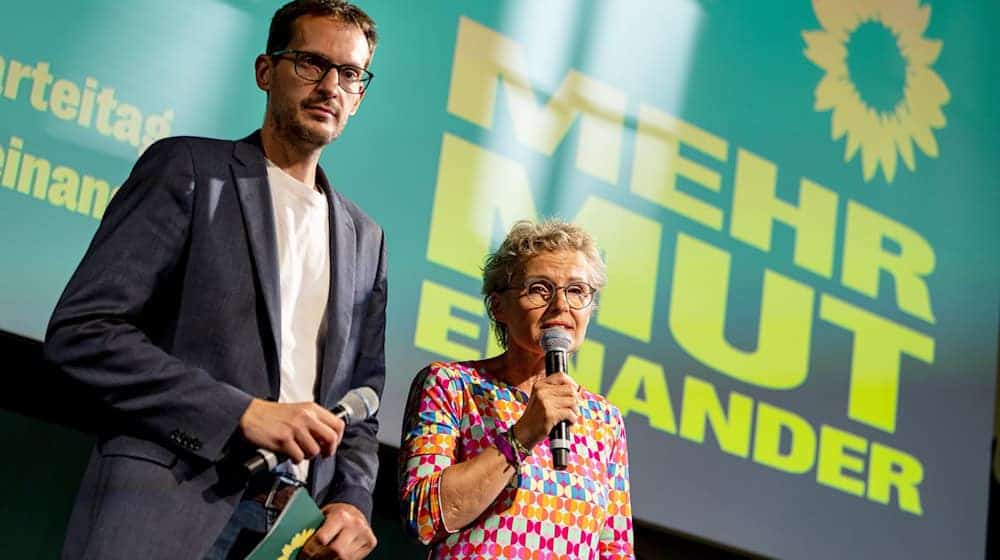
[290,127]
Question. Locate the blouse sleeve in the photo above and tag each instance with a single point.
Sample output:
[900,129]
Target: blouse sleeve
[429,440]
[616,535]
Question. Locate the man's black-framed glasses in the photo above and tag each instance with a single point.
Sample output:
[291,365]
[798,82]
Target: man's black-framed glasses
[313,67]
[538,292]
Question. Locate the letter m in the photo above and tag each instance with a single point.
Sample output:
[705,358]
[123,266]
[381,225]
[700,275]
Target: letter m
[486,60]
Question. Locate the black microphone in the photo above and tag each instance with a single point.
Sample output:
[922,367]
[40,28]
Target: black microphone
[356,406]
[556,342]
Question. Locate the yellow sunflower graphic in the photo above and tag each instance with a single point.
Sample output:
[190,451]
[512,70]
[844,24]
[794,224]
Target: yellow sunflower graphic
[295,544]
[878,84]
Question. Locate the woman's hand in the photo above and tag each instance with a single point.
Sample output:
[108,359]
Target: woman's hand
[553,399]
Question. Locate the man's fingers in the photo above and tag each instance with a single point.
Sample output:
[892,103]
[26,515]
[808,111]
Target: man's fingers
[313,550]
[329,529]
[297,430]
[353,542]
[291,450]
[306,442]
[345,532]
[326,438]
[329,430]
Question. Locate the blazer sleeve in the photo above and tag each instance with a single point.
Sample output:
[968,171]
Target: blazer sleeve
[357,456]
[96,333]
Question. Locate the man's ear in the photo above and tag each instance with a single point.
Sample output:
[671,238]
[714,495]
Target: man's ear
[262,71]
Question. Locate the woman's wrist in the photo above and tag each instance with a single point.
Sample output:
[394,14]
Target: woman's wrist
[520,447]
[504,444]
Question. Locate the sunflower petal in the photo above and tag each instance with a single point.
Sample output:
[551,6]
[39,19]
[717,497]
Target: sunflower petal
[868,161]
[918,50]
[851,147]
[900,137]
[830,92]
[838,123]
[924,138]
[887,156]
[926,93]
[868,131]
[905,146]
[905,16]
[836,16]
[825,51]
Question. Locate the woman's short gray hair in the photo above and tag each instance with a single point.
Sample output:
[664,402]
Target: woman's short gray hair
[526,240]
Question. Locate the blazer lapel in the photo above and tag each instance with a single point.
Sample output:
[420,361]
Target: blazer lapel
[340,307]
[250,172]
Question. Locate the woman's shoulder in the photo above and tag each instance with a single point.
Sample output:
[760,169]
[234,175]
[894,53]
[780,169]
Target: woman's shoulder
[443,372]
[600,407]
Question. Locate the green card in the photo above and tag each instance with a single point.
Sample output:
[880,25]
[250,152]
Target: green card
[297,522]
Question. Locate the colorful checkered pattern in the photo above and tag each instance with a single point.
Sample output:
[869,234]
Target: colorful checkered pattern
[453,413]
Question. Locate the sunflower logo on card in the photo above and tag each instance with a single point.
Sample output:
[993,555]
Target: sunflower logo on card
[297,542]
[879,86]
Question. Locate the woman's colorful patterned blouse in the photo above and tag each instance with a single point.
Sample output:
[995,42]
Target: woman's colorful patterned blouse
[454,412]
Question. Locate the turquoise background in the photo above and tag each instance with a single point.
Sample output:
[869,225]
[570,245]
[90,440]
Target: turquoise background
[736,69]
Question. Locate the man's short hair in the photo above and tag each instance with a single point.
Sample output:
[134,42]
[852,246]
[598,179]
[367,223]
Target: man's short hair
[282,24]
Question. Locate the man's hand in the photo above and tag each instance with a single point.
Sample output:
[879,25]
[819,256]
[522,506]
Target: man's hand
[345,535]
[296,430]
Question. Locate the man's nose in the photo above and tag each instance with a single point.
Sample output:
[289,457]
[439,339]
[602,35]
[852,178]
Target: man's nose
[330,84]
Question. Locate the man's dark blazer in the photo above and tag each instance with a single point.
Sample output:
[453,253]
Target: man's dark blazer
[172,322]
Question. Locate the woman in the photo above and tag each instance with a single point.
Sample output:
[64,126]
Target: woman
[476,474]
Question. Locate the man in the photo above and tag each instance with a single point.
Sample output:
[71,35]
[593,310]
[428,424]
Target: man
[228,299]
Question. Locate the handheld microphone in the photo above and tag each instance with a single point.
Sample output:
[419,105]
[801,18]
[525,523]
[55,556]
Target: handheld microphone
[556,342]
[356,406]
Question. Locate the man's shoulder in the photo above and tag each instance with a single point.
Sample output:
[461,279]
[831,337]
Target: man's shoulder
[206,155]
[363,223]
[198,145]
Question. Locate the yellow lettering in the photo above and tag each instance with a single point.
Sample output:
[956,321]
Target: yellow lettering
[636,374]
[698,301]
[888,468]
[157,127]
[767,449]
[129,124]
[15,73]
[658,163]
[865,257]
[65,99]
[435,322]
[474,186]
[701,406]
[41,79]
[587,365]
[34,170]
[631,245]
[13,162]
[874,389]
[834,459]
[94,196]
[483,56]
[64,188]
[756,207]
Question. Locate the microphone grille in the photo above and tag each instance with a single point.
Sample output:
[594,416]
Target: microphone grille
[556,338]
[361,403]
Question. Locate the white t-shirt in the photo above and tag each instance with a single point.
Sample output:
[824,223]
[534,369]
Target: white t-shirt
[301,219]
